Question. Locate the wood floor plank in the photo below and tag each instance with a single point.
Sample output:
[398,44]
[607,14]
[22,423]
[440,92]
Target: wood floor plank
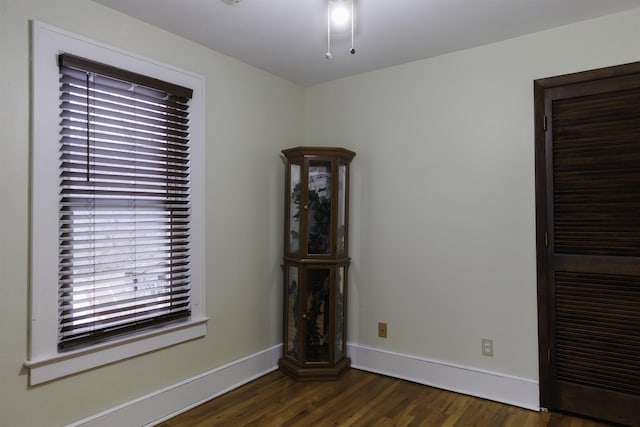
[359,399]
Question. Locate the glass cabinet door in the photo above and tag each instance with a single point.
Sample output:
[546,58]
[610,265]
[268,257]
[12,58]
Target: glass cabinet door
[294,208]
[319,207]
[339,310]
[292,320]
[342,208]
[317,315]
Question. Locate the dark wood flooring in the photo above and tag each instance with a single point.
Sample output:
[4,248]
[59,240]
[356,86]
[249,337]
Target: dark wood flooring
[360,399]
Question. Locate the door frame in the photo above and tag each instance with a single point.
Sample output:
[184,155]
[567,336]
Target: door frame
[544,206]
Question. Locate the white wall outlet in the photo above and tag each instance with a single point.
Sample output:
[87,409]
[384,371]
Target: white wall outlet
[487,347]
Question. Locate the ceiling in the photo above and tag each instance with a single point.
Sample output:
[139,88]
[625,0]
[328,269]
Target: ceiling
[288,37]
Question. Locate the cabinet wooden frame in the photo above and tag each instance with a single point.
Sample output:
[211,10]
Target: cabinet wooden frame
[300,262]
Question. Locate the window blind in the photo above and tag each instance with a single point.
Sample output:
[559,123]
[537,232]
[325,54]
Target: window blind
[124,205]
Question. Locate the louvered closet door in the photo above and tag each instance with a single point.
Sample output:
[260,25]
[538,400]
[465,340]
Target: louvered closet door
[592,144]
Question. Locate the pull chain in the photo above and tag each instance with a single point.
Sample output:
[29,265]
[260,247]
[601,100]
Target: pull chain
[328,54]
[353,51]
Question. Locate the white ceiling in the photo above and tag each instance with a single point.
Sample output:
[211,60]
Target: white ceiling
[288,37]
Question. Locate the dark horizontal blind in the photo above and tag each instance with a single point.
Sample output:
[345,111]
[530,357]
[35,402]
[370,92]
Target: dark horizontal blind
[124,212]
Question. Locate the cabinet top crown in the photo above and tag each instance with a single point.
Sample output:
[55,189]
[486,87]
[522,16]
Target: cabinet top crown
[299,152]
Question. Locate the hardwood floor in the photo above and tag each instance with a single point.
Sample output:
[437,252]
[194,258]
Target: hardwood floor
[359,399]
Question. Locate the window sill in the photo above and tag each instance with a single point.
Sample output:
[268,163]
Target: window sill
[51,367]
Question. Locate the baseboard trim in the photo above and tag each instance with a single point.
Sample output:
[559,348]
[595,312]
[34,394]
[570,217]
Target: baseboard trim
[163,404]
[512,390]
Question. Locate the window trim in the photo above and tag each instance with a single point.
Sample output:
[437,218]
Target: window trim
[44,360]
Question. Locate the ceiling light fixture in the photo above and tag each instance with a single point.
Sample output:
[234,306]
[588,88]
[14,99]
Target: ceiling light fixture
[230,2]
[339,13]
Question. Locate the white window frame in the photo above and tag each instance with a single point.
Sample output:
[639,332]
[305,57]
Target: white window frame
[44,361]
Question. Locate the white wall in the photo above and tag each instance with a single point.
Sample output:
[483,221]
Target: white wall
[251,116]
[442,207]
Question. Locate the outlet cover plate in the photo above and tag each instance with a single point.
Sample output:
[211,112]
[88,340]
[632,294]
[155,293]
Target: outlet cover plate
[382,329]
[487,347]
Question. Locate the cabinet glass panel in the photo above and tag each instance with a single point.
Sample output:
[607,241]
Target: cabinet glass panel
[342,203]
[294,209]
[339,304]
[317,314]
[292,314]
[319,205]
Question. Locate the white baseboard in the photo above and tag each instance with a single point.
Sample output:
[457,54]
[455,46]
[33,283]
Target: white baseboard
[171,401]
[166,403]
[512,390]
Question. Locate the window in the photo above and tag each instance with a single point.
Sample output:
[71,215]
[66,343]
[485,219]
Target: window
[117,205]
[124,203]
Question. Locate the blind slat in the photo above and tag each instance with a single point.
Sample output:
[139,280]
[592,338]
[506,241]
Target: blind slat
[141,166]
[129,146]
[73,102]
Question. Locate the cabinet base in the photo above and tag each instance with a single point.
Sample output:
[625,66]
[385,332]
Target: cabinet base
[319,373]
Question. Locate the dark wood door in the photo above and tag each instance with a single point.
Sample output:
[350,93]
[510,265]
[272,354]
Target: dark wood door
[588,239]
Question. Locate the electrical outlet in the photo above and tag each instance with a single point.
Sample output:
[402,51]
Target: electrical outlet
[382,329]
[487,347]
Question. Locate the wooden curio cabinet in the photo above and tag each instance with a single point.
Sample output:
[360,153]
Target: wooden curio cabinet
[315,263]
